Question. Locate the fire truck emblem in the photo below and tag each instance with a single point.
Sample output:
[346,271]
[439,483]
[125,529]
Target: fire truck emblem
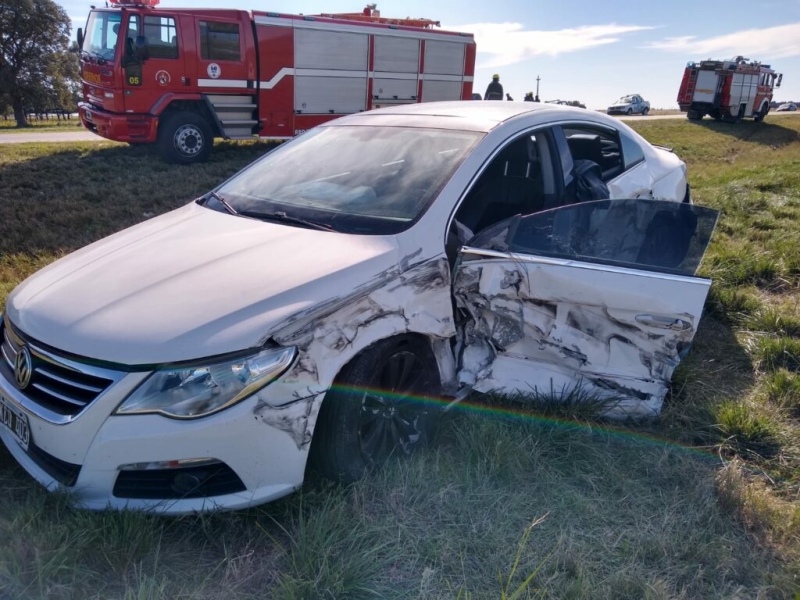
[214,71]
[162,77]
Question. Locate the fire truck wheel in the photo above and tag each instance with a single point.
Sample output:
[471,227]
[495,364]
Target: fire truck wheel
[185,138]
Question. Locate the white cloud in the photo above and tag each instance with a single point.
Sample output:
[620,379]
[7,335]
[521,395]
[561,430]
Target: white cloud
[502,44]
[759,44]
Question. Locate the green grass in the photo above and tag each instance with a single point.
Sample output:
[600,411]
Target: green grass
[703,503]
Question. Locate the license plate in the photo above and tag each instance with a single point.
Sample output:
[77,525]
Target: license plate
[16,421]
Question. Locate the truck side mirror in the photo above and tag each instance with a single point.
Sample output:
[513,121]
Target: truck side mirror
[80,37]
[780,77]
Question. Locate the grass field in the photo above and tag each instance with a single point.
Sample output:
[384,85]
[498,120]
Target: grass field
[703,503]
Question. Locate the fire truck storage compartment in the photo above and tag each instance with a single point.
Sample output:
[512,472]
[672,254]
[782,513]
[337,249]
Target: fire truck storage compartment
[331,71]
[706,87]
[743,91]
[444,64]
[396,65]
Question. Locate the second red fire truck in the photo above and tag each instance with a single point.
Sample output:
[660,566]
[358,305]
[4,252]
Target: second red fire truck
[727,90]
[180,77]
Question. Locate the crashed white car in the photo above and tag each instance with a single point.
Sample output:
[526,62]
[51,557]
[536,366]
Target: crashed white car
[325,302]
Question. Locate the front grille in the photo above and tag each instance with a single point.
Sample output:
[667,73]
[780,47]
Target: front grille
[60,385]
[60,470]
[173,484]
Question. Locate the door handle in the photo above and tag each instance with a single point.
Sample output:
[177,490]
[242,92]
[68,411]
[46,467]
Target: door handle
[663,322]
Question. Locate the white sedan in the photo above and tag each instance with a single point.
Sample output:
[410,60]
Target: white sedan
[327,301]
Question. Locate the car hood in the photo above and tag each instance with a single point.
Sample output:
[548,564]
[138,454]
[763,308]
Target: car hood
[617,104]
[190,284]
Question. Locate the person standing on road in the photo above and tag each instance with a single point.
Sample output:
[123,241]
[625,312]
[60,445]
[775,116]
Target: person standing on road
[494,91]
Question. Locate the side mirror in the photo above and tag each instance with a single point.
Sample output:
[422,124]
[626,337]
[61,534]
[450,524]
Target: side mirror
[780,77]
[80,38]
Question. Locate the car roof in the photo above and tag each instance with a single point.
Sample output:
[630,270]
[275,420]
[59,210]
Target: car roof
[471,115]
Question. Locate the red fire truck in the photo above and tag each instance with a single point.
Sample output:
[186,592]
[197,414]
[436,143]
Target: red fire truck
[180,77]
[728,90]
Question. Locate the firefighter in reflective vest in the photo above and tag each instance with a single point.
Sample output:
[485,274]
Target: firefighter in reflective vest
[494,90]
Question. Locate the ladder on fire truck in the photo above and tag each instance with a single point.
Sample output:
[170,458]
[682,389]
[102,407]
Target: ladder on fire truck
[371,14]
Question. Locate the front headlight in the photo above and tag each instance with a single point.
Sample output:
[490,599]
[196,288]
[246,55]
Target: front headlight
[191,392]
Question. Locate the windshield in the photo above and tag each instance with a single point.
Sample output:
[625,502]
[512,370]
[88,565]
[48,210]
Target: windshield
[625,100]
[352,179]
[101,34]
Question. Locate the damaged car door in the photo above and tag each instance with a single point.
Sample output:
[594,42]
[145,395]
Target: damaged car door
[599,296]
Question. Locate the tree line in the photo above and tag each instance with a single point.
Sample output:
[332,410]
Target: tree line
[39,68]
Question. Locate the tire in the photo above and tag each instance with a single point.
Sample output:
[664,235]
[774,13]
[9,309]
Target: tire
[645,111]
[693,115]
[185,138]
[761,114]
[379,406]
[629,112]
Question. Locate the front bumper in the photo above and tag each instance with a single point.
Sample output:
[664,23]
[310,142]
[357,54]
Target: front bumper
[256,462]
[135,129]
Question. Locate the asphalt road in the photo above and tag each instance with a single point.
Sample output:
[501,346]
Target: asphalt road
[88,136]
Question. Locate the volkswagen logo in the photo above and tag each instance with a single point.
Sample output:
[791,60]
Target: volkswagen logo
[23,367]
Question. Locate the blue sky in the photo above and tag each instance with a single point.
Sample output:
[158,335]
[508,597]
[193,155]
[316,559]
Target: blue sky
[588,50]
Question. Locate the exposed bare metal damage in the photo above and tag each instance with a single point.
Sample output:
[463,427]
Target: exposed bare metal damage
[523,335]
[296,418]
[396,301]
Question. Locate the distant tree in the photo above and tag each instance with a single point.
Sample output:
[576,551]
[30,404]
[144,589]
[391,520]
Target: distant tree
[34,54]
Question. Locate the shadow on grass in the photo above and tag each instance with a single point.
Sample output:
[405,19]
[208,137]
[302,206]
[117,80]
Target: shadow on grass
[57,198]
[766,132]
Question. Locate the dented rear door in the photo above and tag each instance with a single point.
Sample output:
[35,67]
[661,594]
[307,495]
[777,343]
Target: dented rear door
[600,296]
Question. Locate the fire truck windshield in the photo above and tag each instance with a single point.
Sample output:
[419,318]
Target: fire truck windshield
[101,34]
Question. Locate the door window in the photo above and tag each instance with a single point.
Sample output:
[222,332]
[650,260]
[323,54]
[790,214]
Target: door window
[161,37]
[518,180]
[219,41]
[598,145]
[642,234]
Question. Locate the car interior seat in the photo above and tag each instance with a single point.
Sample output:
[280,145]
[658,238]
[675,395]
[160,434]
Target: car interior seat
[586,147]
[511,185]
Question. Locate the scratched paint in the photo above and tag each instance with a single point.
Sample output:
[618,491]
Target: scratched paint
[532,328]
[407,298]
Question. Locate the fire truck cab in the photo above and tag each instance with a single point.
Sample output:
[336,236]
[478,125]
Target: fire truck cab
[180,77]
[727,90]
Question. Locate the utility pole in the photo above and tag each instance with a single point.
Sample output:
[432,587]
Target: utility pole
[537,85]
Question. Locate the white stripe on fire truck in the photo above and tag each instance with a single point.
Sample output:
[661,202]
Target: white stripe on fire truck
[466,38]
[288,71]
[234,83]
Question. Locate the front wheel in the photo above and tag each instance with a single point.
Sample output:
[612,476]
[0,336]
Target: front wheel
[185,138]
[629,112]
[645,111]
[379,406]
